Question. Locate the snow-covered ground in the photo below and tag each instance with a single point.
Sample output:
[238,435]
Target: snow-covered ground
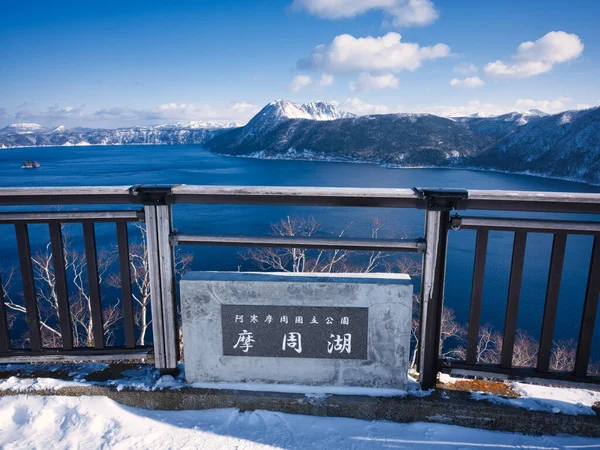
[555,399]
[565,399]
[38,422]
[147,378]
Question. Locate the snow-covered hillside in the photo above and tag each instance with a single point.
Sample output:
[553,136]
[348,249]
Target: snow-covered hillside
[284,109]
[178,133]
[22,128]
[562,145]
[281,111]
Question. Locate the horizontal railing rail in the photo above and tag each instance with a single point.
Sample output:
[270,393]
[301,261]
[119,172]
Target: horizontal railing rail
[530,201]
[404,245]
[70,217]
[529,225]
[437,204]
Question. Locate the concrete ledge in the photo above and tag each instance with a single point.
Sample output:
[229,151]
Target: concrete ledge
[451,408]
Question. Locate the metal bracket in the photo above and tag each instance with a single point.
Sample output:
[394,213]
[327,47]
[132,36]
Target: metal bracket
[440,199]
[421,245]
[153,194]
[455,222]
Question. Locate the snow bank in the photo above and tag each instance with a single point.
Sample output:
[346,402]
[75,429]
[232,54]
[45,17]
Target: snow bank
[564,400]
[147,378]
[96,422]
[533,397]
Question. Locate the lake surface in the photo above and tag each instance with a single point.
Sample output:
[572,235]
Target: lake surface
[190,164]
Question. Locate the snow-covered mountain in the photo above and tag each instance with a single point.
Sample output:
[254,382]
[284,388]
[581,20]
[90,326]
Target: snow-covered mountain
[32,135]
[197,125]
[283,110]
[499,126]
[565,145]
[21,128]
[280,110]
[58,129]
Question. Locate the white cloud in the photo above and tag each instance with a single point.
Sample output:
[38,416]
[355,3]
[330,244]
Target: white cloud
[472,107]
[466,69]
[583,106]
[399,12]
[367,82]
[526,69]
[347,54]
[534,58]
[470,82]
[326,80]
[299,82]
[360,107]
[54,113]
[491,109]
[245,108]
[548,106]
[117,116]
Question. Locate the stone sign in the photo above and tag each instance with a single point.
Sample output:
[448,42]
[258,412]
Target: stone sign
[311,329]
[295,331]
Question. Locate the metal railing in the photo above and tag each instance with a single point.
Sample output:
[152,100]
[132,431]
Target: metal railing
[54,221]
[438,204]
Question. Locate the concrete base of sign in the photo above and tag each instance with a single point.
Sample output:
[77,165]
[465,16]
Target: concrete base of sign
[388,298]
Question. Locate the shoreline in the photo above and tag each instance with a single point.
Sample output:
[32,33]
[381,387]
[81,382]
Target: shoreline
[316,158]
[308,155]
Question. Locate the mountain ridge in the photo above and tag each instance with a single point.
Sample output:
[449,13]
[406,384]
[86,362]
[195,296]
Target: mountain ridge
[563,145]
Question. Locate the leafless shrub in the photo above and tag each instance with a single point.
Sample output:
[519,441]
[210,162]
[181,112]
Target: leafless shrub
[140,279]
[451,334]
[80,301]
[79,298]
[321,261]
[525,350]
[563,355]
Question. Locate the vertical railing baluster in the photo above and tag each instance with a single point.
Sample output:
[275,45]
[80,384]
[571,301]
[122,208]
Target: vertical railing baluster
[557,258]
[590,308]
[476,295]
[62,292]
[167,285]
[31,304]
[125,271]
[4,335]
[432,295]
[514,293]
[91,258]
[159,226]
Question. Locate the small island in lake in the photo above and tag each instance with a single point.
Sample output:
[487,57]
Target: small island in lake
[30,164]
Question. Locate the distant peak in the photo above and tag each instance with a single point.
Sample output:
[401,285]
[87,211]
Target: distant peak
[285,109]
[25,126]
[22,127]
[537,112]
[198,125]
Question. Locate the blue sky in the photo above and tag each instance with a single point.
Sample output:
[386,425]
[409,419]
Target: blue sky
[145,62]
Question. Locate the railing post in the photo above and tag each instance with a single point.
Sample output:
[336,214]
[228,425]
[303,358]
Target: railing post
[438,204]
[157,202]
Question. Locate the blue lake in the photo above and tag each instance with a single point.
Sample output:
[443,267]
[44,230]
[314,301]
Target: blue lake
[190,164]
